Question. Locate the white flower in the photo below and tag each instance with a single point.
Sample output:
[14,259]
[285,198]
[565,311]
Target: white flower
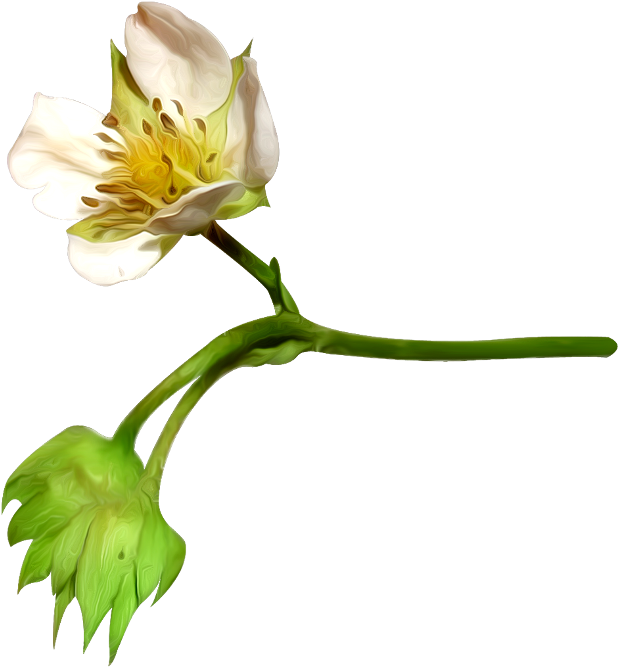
[189,139]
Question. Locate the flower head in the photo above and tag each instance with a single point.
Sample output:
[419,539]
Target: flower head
[95,525]
[189,139]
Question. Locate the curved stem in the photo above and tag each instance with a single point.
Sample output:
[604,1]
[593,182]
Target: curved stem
[280,338]
[275,339]
[156,462]
[187,372]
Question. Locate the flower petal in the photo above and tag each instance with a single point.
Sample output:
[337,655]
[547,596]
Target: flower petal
[193,211]
[174,58]
[58,149]
[113,262]
[251,149]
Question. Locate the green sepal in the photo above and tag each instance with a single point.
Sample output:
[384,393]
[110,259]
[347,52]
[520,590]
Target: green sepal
[67,550]
[110,226]
[109,558]
[216,122]
[45,514]
[174,560]
[125,605]
[251,199]
[63,599]
[37,563]
[129,105]
[23,487]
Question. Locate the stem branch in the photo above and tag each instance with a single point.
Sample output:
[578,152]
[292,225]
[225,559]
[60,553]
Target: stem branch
[266,275]
[281,338]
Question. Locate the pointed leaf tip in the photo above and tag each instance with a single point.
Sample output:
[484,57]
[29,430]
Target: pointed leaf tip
[247,51]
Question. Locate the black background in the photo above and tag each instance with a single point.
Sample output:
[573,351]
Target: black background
[400,208]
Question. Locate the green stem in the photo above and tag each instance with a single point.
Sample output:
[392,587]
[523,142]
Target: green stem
[273,340]
[353,345]
[266,275]
[156,462]
[280,338]
[130,427]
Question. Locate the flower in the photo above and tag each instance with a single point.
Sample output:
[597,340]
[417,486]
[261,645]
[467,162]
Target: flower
[95,525]
[189,139]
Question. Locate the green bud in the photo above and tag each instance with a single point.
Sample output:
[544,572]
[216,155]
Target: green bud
[95,525]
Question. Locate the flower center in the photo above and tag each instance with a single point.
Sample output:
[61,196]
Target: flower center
[159,163]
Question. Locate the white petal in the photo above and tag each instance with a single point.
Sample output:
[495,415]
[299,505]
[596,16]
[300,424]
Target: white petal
[196,209]
[111,263]
[251,150]
[58,149]
[174,58]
